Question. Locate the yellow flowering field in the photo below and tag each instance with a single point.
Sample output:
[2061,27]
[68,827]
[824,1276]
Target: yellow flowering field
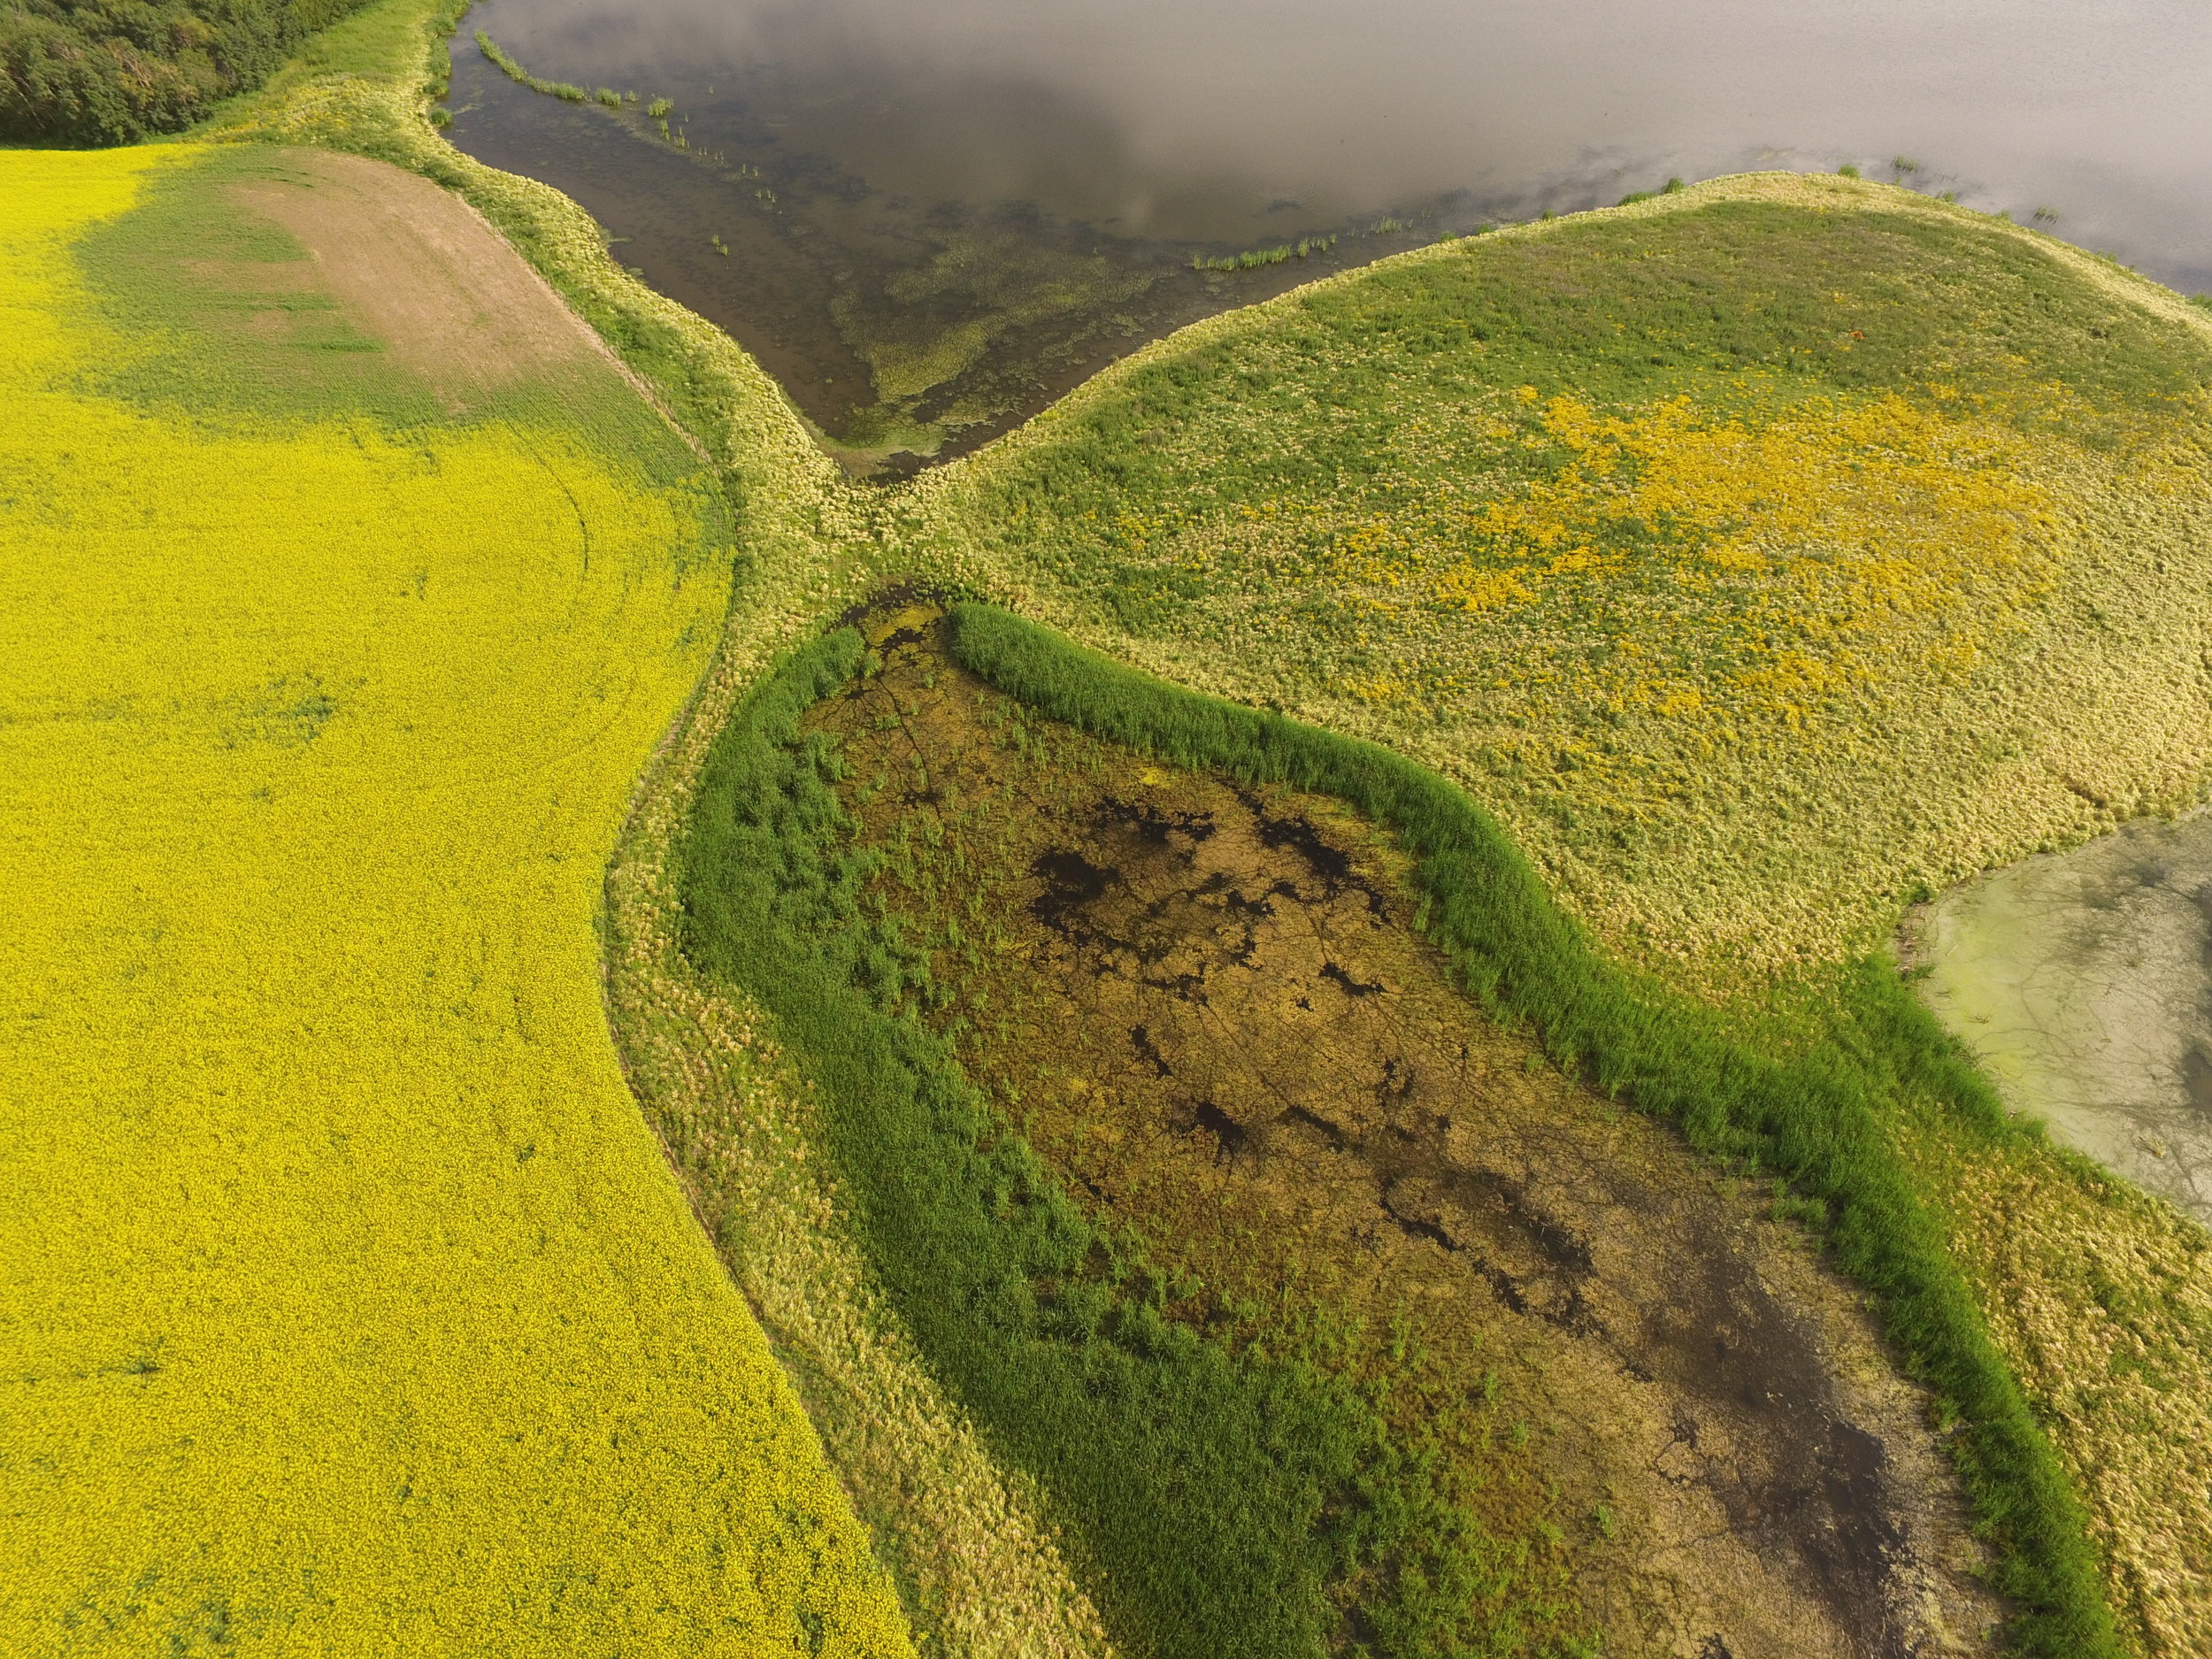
[349,1305]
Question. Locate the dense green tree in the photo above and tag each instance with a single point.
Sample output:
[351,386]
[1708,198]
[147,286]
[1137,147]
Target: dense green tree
[109,71]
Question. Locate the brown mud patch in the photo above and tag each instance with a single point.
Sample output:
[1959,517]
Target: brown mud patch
[1208,1009]
[418,270]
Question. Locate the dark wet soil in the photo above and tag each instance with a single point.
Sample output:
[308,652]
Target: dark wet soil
[1207,1006]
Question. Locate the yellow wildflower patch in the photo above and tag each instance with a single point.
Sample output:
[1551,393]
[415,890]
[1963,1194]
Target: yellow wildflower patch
[1832,535]
[349,1305]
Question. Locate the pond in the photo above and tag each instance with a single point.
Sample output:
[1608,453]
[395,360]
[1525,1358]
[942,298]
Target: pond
[2082,983]
[928,221]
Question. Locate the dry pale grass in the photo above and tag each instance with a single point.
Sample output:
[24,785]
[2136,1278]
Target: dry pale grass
[2101,1299]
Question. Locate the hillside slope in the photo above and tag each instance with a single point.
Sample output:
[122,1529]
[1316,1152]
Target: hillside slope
[1763,552]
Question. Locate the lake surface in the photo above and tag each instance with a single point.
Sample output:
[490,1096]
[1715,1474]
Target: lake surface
[2082,983]
[929,219]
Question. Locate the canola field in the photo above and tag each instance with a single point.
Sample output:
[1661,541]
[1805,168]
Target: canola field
[346,1304]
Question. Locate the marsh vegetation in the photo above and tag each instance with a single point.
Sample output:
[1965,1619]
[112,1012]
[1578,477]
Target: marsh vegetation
[1194,1019]
[904,329]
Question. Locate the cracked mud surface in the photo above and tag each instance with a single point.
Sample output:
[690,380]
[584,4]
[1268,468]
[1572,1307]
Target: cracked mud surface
[1208,1009]
[2083,982]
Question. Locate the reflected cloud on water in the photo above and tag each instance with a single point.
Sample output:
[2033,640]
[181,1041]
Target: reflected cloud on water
[1138,131]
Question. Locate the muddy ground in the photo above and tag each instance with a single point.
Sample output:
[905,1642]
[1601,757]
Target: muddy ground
[420,272]
[1208,1008]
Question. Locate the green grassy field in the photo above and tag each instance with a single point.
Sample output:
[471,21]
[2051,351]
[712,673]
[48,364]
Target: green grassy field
[1739,593]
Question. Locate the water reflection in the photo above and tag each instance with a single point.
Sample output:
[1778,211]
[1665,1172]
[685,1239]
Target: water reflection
[2083,982]
[863,138]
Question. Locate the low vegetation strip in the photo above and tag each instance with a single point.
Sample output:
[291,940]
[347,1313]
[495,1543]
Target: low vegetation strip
[1818,1118]
[351,1306]
[517,73]
[94,72]
[983,1575]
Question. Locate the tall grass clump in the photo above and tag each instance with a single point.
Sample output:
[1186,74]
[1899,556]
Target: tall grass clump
[516,72]
[1257,258]
[1817,1118]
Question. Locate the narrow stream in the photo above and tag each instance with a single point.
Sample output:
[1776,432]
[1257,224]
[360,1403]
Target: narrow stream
[2083,982]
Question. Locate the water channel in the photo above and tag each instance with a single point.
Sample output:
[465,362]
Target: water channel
[928,221]
[2082,983]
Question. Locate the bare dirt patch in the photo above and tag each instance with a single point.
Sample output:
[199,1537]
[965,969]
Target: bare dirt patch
[1208,1008]
[418,270]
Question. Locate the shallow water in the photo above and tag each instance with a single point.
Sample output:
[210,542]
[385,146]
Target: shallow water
[973,204]
[2083,981]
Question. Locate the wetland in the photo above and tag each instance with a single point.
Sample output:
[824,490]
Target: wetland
[1201,1027]
[928,225]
